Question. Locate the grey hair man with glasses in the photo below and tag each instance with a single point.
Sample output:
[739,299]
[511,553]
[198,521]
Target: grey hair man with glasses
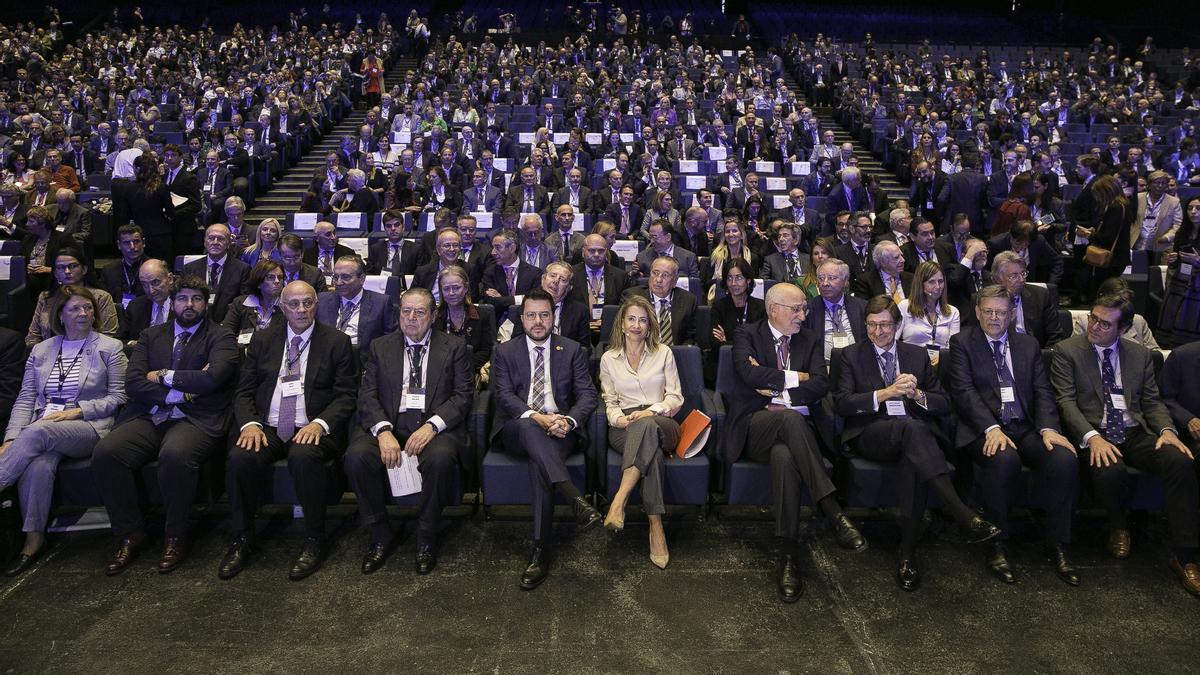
[1033,312]
[833,313]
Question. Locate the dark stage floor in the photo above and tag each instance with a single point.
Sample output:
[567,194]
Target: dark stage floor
[605,608]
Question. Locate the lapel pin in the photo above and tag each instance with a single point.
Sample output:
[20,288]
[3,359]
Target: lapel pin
[558,348]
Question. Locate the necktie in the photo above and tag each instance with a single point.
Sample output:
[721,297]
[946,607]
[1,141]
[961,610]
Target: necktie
[537,391]
[836,318]
[214,275]
[479,200]
[783,353]
[158,314]
[531,256]
[1008,411]
[528,200]
[416,353]
[327,262]
[510,274]
[162,413]
[286,426]
[624,220]
[894,289]
[887,361]
[978,280]
[664,323]
[1114,421]
[791,266]
[344,315]
[394,259]
[1018,317]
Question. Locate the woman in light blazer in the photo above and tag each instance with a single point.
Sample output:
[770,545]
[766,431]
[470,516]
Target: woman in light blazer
[73,385]
[640,386]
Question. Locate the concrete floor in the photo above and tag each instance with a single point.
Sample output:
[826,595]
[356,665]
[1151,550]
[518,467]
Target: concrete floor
[605,608]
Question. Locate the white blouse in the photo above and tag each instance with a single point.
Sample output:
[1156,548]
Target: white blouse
[919,332]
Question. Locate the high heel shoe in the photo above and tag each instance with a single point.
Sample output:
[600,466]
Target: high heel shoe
[660,560]
[614,521]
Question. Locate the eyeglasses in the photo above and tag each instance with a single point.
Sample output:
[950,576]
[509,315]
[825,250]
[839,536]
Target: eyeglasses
[1094,320]
[276,278]
[67,267]
[828,278]
[994,313]
[794,309]
[880,325]
[306,303]
[414,312]
[1013,276]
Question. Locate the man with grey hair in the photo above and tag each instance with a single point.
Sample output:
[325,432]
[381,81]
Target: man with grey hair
[1033,313]
[72,220]
[900,227]
[571,317]
[834,313]
[887,276]
[123,164]
[355,197]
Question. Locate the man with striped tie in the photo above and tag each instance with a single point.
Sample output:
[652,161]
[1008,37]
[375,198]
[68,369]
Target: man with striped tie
[544,394]
[675,307]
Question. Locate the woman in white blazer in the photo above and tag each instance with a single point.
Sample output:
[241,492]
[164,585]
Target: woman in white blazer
[72,387]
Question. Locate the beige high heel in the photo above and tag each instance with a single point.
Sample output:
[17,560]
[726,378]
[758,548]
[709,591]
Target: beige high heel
[614,521]
[660,560]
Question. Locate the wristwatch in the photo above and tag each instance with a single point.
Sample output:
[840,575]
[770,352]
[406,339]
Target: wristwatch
[162,375]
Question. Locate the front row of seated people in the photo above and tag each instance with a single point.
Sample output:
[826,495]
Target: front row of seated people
[294,390]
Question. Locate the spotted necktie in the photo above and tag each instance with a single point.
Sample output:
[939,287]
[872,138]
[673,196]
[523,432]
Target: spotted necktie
[1114,420]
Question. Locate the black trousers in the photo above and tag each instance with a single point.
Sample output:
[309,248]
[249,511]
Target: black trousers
[1056,472]
[784,439]
[306,464]
[547,465]
[1178,476]
[912,444]
[437,463]
[180,449]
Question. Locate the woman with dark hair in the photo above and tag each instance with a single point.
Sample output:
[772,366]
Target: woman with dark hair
[457,315]
[147,202]
[1180,319]
[1048,212]
[1112,232]
[754,215]
[1016,206]
[19,171]
[737,306]
[259,308]
[439,194]
[70,269]
[72,387]
[404,194]
[39,247]
[929,320]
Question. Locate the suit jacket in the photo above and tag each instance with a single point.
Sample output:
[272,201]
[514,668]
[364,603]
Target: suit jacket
[867,286]
[449,385]
[563,196]
[101,383]
[186,185]
[836,202]
[76,224]
[527,278]
[944,256]
[114,280]
[975,384]
[425,277]
[574,244]
[616,281]
[855,309]
[755,341]
[138,315]
[235,281]
[206,369]
[1075,373]
[492,198]
[964,192]
[1041,319]
[310,275]
[635,217]
[1045,264]
[775,266]
[1166,225]
[1181,398]
[377,315]
[339,251]
[689,264]
[860,378]
[859,265]
[516,197]
[570,382]
[683,312]
[222,185]
[330,377]
[379,251]
[572,321]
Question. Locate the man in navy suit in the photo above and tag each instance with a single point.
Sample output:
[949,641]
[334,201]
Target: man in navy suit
[780,378]
[227,276]
[571,316]
[1043,262]
[544,395]
[507,276]
[395,255]
[361,314]
[481,197]
[416,365]
[1007,417]
[891,401]
[834,313]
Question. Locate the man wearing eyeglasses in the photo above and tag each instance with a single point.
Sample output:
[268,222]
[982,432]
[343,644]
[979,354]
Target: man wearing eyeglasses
[662,244]
[891,401]
[1033,313]
[294,397]
[834,313]
[1007,418]
[412,407]
[291,257]
[780,379]
[361,314]
[675,307]
[857,253]
[1108,396]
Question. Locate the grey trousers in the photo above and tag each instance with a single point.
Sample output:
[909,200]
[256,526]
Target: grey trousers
[32,462]
[784,439]
[641,444]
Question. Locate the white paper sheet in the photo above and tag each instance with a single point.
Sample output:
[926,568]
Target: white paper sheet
[405,479]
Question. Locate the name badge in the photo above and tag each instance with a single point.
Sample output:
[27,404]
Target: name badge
[126,298]
[212,299]
[933,352]
[841,340]
[1185,269]
[291,385]
[55,405]
[1007,395]
[385,273]
[243,337]
[1118,400]
[597,311]
[895,408]
[414,399]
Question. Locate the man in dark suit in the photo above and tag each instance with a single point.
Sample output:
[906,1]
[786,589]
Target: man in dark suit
[183,183]
[891,401]
[395,256]
[833,313]
[693,233]
[216,185]
[526,195]
[785,263]
[662,245]
[675,307]
[481,197]
[922,246]
[294,399]
[1045,265]
[1001,181]
[361,314]
[780,379]
[291,253]
[849,195]
[327,250]
[626,214]
[807,219]
[227,276]
[507,276]
[965,192]
[887,276]
[967,277]
[573,193]
[857,253]
[544,429]
[571,317]
[927,184]
[412,407]
[1109,400]
[151,309]
[178,383]
[596,282]
[72,220]
[564,241]
[448,248]
[1034,313]
[1007,417]
[120,278]
[1180,397]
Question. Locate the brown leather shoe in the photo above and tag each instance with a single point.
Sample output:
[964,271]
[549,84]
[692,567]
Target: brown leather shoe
[173,554]
[1119,543]
[1189,575]
[127,552]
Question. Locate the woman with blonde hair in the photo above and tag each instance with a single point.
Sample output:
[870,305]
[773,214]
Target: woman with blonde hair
[265,245]
[640,387]
[732,245]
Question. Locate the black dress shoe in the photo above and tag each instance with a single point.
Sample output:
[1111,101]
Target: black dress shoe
[312,554]
[791,584]
[426,559]
[537,570]
[586,515]
[235,558]
[127,552]
[1062,566]
[23,563]
[980,530]
[997,563]
[377,553]
[908,577]
[847,535]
